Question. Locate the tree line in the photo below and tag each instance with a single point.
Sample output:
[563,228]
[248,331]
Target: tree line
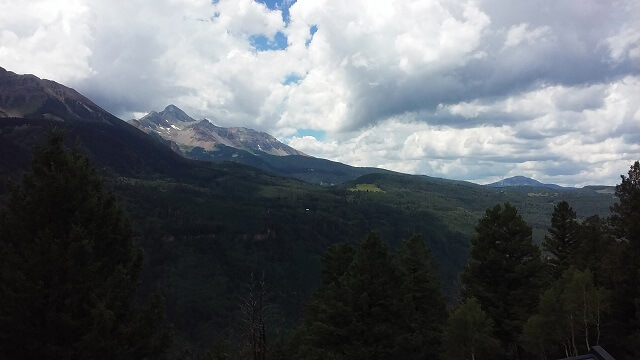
[69,269]
[69,273]
[517,301]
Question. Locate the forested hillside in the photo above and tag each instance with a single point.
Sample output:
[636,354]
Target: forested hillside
[206,231]
[220,241]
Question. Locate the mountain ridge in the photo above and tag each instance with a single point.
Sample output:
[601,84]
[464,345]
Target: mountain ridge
[519,180]
[27,96]
[204,141]
[175,125]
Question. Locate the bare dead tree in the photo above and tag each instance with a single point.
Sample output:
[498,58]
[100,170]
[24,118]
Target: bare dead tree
[254,309]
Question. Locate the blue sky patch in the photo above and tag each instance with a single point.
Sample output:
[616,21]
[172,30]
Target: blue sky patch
[263,43]
[318,134]
[282,5]
[312,30]
[292,79]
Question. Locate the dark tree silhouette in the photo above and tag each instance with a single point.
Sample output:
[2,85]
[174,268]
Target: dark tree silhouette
[504,273]
[625,225]
[69,268]
[562,240]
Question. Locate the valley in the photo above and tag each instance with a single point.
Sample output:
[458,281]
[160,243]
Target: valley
[206,224]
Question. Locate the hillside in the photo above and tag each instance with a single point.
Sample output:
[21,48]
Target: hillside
[206,226]
[521,181]
[460,204]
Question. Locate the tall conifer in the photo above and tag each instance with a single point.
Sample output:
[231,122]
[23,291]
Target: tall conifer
[422,288]
[625,224]
[561,243]
[504,273]
[68,267]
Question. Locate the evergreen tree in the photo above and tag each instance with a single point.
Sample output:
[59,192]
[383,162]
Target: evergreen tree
[625,225]
[324,329]
[469,334]
[504,273]
[68,267]
[379,322]
[361,314]
[595,250]
[561,241]
[422,288]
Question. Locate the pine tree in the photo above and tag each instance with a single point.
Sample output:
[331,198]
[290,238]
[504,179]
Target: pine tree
[561,242]
[504,273]
[422,288]
[469,334]
[325,327]
[379,320]
[68,266]
[625,225]
[595,250]
[359,312]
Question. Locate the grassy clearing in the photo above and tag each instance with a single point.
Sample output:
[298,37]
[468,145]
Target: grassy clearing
[366,187]
[537,194]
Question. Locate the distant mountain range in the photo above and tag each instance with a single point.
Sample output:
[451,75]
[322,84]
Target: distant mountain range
[118,145]
[522,181]
[202,140]
[175,125]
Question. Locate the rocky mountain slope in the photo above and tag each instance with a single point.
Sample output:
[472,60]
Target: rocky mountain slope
[27,96]
[201,140]
[175,125]
[30,106]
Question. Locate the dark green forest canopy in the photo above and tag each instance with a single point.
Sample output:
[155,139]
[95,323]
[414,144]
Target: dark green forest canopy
[205,227]
[69,268]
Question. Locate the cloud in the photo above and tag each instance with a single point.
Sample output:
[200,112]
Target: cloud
[566,135]
[519,33]
[39,38]
[625,44]
[473,90]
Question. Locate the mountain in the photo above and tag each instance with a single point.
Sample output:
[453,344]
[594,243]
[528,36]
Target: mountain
[27,96]
[522,181]
[205,227]
[175,125]
[201,140]
[30,106]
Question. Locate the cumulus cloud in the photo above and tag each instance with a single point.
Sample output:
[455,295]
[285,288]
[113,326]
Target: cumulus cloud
[474,90]
[520,33]
[51,39]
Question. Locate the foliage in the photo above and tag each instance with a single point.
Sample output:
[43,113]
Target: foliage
[373,308]
[205,227]
[569,317]
[625,226]
[596,250]
[469,334]
[422,289]
[69,269]
[366,187]
[562,239]
[504,273]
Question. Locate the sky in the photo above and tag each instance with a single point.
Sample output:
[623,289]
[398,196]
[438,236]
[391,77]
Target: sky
[468,90]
